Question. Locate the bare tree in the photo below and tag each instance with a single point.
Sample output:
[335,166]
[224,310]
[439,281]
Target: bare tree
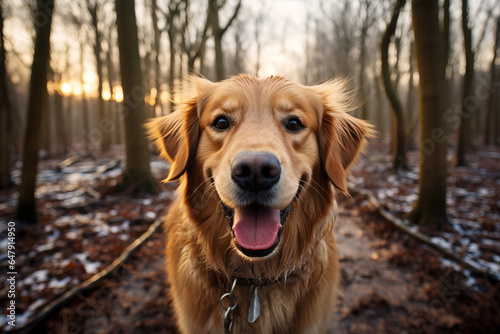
[367,22]
[399,155]
[218,32]
[94,7]
[157,68]
[431,205]
[137,175]
[171,14]
[85,108]
[493,116]
[26,209]
[464,132]
[193,39]
[5,116]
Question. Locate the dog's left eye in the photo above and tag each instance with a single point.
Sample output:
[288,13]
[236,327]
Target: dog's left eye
[293,125]
[221,123]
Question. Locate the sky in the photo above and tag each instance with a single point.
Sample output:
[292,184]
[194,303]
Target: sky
[283,38]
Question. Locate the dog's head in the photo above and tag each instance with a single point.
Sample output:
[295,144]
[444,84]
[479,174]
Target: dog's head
[264,150]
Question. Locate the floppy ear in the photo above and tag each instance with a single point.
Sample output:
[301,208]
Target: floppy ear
[341,136]
[176,136]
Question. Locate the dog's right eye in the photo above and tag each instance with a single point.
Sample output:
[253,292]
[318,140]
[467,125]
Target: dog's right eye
[221,123]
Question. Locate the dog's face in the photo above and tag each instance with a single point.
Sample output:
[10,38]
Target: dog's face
[261,144]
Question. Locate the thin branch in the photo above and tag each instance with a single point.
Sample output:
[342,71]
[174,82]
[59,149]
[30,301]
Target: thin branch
[398,223]
[484,30]
[235,14]
[89,284]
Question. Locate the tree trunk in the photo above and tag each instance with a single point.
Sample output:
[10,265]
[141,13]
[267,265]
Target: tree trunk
[362,65]
[137,175]
[104,121]
[171,76]
[446,41]
[468,105]
[431,205]
[194,50]
[218,33]
[85,108]
[112,106]
[26,209]
[5,117]
[157,36]
[59,129]
[410,100]
[398,138]
[47,131]
[493,105]
[69,121]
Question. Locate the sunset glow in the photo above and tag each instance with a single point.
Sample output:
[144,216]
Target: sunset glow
[118,92]
[66,88]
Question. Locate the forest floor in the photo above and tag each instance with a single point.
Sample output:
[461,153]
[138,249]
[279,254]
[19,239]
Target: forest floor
[390,283]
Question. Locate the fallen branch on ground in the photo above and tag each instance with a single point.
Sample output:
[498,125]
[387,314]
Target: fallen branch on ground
[89,284]
[398,223]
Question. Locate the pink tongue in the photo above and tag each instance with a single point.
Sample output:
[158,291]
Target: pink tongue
[256,227]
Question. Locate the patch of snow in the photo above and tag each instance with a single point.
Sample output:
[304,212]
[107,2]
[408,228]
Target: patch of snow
[79,177]
[474,250]
[103,232]
[464,241]
[38,287]
[490,242]
[411,198]
[23,318]
[113,212]
[448,263]
[381,194]
[496,258]
[73,234]
[159,164]
[90,267]
[55,235]
[469,280]
[3,243]
[41,275]
[492,266]
[68,195]
[458,228]
[146,201]
[51,242]
[59,283]
[460,192]
[441,242]
[150,214]
[74,202]
[409,175]
[114,173]
[414,228]
[168,194]
[485,192]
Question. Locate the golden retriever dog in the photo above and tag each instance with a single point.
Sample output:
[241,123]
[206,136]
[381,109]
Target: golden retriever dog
[250,245]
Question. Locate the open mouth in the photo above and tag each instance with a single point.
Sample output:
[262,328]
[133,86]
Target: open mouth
[257,228]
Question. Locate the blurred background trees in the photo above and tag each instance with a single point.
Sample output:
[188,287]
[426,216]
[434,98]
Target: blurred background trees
[309,41]
[36,111]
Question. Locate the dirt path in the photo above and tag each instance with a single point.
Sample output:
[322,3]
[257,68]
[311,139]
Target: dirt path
[378,295]
[375,295]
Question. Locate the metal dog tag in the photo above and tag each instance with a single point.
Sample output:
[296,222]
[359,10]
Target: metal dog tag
[254,309]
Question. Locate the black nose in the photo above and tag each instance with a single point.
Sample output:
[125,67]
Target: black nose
[255,171]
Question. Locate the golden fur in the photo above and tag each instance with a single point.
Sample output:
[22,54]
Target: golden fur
[201,257]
